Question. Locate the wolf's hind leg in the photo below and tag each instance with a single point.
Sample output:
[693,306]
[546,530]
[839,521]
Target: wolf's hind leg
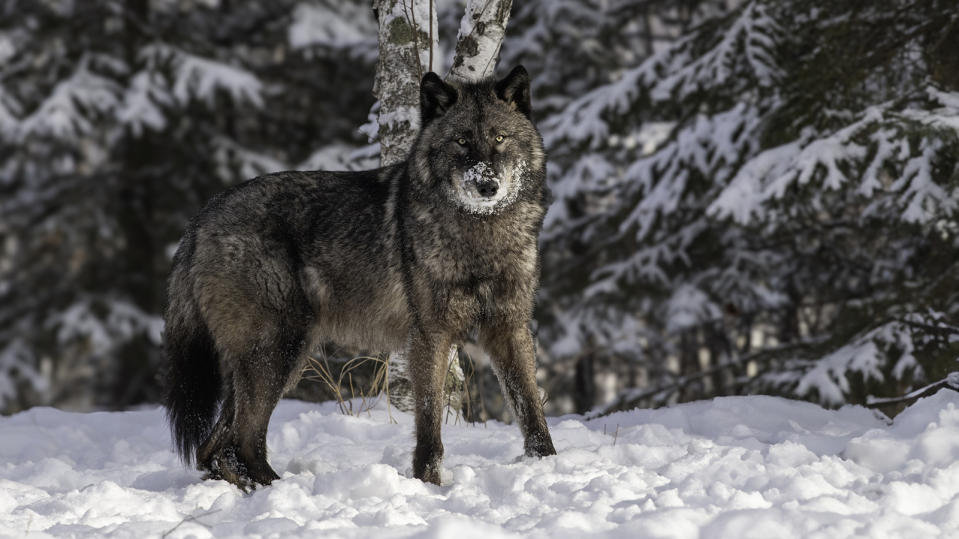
[512,354]
[261,351]
[259,383]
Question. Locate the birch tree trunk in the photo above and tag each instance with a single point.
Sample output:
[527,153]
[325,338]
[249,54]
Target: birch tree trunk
[480,37]
[408,48]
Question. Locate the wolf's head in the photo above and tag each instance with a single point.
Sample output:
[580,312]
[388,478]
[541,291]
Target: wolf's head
[477,144]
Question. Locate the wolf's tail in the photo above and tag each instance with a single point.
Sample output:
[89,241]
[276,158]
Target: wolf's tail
[193,379]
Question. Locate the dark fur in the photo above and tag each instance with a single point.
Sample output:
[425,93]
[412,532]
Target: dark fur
[411,256]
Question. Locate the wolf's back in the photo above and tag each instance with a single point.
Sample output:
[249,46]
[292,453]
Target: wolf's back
[193,379]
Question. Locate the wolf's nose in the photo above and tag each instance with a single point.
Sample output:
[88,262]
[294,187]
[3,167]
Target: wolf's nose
[487,188]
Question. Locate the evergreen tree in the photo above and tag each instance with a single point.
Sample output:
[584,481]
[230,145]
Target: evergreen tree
[794,228]
[118,120]
[577,52]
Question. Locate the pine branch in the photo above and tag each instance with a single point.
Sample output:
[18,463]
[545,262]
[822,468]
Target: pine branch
[949,382]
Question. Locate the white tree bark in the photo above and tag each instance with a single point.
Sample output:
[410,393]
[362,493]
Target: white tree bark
[408,46]
[480,37]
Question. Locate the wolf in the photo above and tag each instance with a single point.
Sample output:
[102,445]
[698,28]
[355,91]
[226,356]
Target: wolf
[411,257]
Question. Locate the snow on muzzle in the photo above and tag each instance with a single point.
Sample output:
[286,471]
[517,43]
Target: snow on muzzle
[482,190]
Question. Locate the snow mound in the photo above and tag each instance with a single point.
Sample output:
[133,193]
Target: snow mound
[732,467]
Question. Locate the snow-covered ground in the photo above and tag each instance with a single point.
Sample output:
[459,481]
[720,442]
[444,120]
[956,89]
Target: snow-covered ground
[732,467]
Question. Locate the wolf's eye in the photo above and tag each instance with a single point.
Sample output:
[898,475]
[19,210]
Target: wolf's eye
[461,141]
[499,138]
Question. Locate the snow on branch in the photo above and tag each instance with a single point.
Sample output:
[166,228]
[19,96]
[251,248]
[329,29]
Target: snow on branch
[583,120]
[921,195]
[196,77]
[688,307]
[875,154]
[944,115]
[752,36]
[69,111]
[884,350]
[647,264]
[122,320]
[347,25]
[64,113]
[141,102]
[709,143]
[742,53]
[951,381]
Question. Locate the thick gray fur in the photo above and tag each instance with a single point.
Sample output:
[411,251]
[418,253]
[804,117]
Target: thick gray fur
[407,257]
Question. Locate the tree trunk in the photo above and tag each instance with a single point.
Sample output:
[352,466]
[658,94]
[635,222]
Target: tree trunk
[408,43]
[480,37]
[407,50]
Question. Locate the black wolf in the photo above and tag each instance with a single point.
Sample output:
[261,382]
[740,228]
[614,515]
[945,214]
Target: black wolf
[407,257]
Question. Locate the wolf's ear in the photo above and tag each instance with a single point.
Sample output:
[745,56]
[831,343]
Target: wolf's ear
[436,97]
[514,89]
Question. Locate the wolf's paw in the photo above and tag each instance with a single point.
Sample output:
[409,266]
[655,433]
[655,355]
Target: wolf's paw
[539,446]
[260,473]
[431,474]
[228,466]
[427,459]
[428,469]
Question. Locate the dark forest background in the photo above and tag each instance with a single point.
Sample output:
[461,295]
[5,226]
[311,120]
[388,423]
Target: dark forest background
[749,197]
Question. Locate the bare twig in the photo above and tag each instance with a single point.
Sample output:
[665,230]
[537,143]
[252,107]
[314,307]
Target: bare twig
[190,518]
[319,369]
[411,20]
[431,35]
[949,382]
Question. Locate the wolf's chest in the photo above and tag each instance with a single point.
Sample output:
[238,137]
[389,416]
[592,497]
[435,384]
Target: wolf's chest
[475,266]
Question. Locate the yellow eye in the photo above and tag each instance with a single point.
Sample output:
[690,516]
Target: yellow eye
[461,141]
[499,138]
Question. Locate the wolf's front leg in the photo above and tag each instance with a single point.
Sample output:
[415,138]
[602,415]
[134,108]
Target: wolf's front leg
[427,355]
[511,350]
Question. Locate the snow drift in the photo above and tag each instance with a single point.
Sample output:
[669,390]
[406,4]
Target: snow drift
[731,467]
